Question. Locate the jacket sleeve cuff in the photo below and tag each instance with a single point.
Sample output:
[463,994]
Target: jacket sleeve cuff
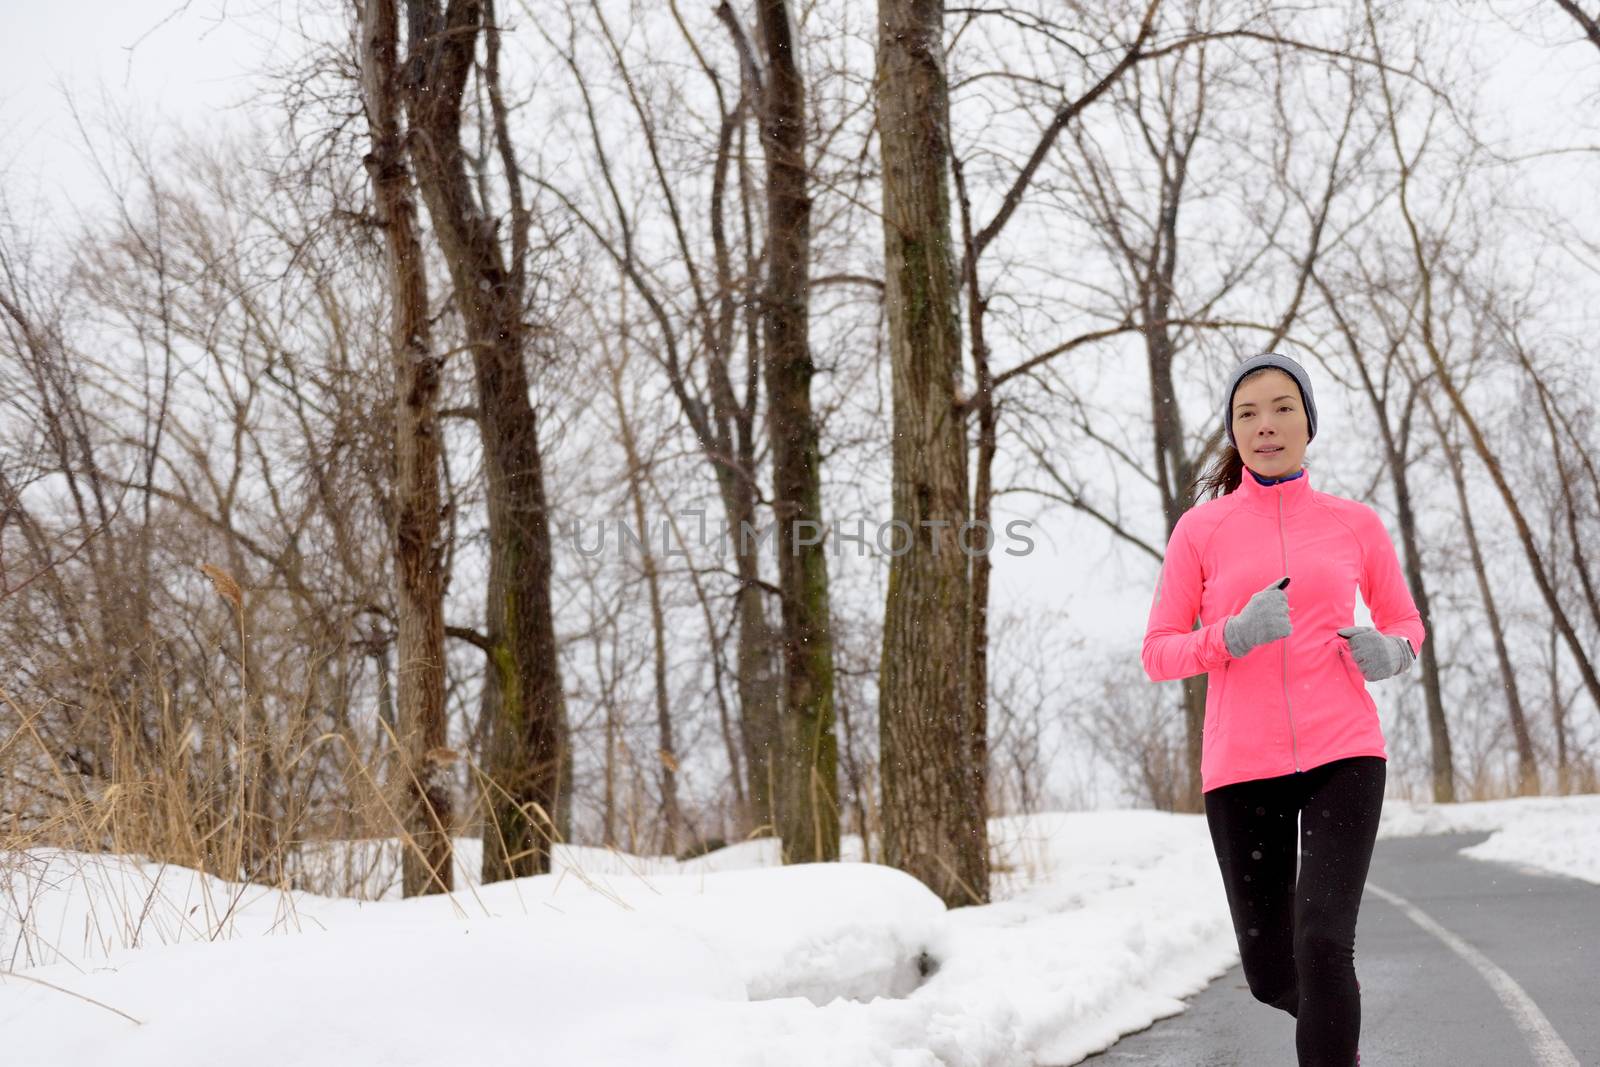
[1214,647]
[1408,655]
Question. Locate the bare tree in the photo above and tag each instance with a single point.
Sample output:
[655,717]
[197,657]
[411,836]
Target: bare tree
[1527,762]
[933,807]
[529,763]
[1428,256]
[809,825]
[1377,375]
[707,344]
[983,402]
[418,551]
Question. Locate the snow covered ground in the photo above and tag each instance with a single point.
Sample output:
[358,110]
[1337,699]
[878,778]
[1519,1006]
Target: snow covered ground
[1102,923]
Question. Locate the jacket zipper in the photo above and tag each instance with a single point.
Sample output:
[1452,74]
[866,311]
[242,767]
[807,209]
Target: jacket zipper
[1284,545]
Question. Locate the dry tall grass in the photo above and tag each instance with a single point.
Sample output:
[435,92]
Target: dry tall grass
[242,780]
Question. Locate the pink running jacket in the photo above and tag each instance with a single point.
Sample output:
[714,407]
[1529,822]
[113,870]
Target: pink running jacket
[1300,701]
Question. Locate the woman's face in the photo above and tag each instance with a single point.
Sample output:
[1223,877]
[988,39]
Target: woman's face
[1269,424]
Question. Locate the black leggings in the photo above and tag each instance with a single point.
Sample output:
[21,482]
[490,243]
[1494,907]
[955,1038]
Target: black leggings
[1297,938]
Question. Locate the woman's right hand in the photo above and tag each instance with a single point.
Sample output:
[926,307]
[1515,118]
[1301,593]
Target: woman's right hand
[1265,618]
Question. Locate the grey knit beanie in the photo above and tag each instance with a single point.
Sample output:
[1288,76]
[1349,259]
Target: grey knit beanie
[1289,367]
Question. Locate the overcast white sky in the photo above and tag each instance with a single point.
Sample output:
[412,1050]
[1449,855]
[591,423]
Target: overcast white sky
[159,59]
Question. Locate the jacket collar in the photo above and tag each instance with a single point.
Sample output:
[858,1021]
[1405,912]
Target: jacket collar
[1293,494]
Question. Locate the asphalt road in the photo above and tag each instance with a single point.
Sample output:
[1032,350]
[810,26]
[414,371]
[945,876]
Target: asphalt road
[1463,963]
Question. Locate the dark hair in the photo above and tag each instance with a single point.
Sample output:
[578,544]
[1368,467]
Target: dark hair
[1223,476]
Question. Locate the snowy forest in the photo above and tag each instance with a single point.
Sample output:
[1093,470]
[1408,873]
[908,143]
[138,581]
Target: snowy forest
[483,444]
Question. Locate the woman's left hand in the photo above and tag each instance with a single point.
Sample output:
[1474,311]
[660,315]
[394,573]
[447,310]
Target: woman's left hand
[1378,655]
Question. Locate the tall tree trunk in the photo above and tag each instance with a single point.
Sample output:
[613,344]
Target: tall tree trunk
[759,669]
[1175,475]
[1156,300]
[809,823]
[980,544]
[1443,751]
[760,666]
[667,758]
[528,756]
[1527,760]
[721,416]
[1558,720]
[934,817]
[1396,452]
[980,569]
[418,545]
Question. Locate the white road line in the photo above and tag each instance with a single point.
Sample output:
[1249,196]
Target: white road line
[1546,1045]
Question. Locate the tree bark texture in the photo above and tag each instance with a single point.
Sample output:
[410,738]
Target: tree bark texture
[933,809]
[809,825]
[418,544]
[526,760]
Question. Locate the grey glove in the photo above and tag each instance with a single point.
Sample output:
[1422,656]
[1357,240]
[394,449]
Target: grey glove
[1378,655]
[1264,618]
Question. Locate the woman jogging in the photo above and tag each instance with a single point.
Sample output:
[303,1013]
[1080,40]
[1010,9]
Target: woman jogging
[1291,746]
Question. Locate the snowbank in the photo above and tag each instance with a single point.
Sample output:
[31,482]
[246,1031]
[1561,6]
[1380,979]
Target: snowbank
[1102,922]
